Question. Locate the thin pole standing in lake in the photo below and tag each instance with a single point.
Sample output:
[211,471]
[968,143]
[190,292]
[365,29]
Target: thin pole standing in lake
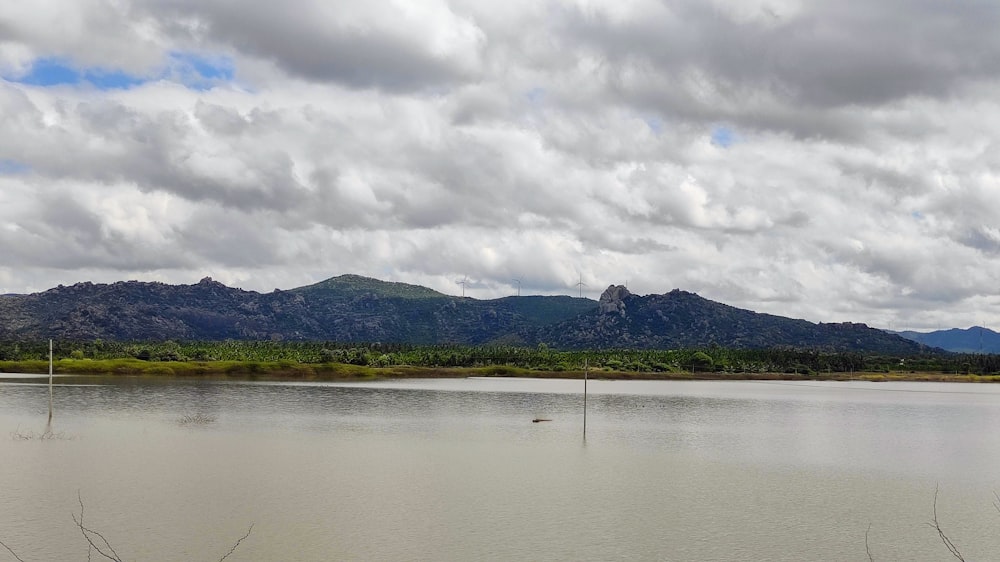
[50,382]
[586,368]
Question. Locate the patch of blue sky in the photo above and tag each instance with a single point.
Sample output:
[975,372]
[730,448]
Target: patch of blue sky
[112,79]
[13,167]
[194,71]
[917,215]
[48,71]
[55,71]
[200,72]
[723,136]
[654,123]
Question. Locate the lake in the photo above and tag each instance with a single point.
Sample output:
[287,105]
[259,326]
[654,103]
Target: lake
[454,469]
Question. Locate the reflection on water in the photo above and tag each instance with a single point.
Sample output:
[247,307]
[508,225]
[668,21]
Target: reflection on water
[454,469]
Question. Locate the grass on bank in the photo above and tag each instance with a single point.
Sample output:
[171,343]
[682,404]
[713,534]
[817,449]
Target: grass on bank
[340,371]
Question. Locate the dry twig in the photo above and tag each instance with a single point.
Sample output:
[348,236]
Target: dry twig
[868,548]
[90,533]
[99,543]
[233,549]
[944,538]
[47,435]
[11,551]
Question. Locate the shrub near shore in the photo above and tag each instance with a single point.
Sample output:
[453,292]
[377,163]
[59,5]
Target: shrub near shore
[284,370]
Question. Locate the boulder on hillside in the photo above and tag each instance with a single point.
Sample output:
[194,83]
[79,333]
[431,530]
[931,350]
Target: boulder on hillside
[613,300]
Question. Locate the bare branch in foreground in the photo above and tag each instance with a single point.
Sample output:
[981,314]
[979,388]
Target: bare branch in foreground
[944,538]
[90,533]
[11,551]
[233,549]
[867,547]
[98,542]
[47,435]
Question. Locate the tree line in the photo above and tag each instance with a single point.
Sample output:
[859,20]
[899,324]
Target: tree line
[717,359]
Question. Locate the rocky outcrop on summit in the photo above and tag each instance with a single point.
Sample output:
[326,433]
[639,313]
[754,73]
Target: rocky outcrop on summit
[680,319]
[613,300]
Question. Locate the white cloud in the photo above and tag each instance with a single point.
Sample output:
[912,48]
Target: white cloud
[540,141]
[99,33]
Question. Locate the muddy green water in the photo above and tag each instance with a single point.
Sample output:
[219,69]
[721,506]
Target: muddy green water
[454,469]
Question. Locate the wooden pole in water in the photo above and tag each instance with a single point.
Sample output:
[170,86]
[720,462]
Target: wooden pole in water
[50,381]
[586,369]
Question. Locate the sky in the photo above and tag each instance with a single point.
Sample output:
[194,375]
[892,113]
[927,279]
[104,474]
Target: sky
[833,160]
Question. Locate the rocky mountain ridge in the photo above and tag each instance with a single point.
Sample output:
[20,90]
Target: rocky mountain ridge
[680,319]
[352,308]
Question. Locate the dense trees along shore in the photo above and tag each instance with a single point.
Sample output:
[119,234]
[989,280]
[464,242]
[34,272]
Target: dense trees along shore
[335,360]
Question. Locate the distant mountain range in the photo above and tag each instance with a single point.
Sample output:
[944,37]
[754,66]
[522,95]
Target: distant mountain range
[972,340]
[351,308]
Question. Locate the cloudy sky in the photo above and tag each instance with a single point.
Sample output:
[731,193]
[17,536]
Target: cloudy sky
[829,160]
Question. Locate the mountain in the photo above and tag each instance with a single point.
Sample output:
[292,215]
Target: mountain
[351,286]
[351,308]
[972,340]
[680,319]
[346,308]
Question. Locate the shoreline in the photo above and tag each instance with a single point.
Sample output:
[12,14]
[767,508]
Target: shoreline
[289,370]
